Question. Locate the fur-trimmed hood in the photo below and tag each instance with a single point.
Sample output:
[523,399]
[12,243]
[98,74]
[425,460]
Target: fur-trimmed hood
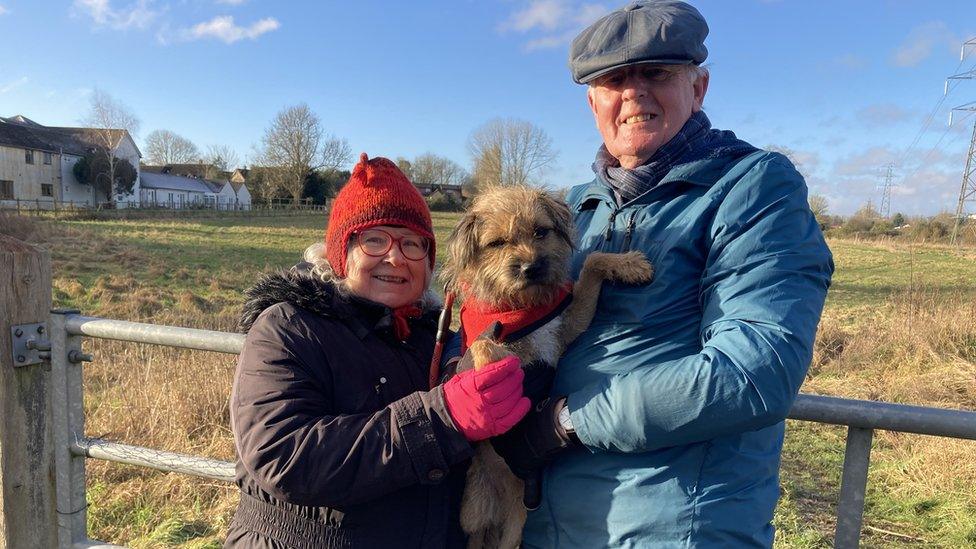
[302,288]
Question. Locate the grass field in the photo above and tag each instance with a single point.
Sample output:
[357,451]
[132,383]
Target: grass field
[900,325]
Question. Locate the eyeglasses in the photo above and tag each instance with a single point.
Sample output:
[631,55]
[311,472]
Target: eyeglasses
[377,243]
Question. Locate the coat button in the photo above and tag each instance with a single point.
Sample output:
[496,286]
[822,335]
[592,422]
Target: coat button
[435,475]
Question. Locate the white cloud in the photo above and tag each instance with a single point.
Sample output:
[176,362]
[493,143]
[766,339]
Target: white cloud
[922,40]
[883,114]
[553,23]
[231,2]
[866,162]
[13,84]
[3,10]
[138,14]
[225,29]
[544,14]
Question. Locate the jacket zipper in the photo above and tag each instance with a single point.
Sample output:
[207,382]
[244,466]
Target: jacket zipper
[630,231]
[608,235]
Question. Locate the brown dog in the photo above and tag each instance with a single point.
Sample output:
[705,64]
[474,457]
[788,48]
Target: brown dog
[511,252]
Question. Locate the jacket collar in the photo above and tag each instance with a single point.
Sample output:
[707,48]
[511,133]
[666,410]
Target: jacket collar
[701,173]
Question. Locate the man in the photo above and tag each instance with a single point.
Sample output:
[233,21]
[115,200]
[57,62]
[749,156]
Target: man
[667,417]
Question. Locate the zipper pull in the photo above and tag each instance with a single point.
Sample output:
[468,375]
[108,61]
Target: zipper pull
[609,233]
[630,231]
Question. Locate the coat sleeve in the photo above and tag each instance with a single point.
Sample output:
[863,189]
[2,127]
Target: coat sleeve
[297,449]
[762,292]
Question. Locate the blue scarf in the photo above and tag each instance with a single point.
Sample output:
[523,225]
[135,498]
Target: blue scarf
[695,141]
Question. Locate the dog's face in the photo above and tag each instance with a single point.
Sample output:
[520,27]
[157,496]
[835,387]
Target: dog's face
[512,248]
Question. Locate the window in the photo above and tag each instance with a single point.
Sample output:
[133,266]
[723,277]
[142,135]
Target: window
[47,189]
[47,158]
[29,156]
[6,190]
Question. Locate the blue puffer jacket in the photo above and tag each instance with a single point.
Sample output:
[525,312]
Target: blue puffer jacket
[680,387]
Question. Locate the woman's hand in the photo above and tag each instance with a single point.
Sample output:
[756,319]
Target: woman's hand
[487,402]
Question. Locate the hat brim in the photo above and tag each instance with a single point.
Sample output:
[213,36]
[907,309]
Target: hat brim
[591,77]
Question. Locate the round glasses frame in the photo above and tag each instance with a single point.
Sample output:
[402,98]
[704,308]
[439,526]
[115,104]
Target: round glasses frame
[412,255]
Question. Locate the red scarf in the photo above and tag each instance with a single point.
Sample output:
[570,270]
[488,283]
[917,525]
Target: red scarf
[476,316]
[400,325]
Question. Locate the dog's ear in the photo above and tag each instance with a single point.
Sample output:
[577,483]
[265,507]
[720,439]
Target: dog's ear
[462,246]
[562,220]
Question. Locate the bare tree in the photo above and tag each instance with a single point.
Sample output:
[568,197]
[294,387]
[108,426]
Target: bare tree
[219,158]
[508,151]
[818,205]
[405,166]
[109,120]
[264,183]
[166,147]
[336,154]
[820,208]
[291,147]
[434,170]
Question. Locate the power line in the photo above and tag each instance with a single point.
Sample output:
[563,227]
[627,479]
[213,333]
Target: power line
[938,105]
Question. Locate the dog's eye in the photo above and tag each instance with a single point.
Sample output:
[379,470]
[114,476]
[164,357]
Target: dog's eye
[540,233]
[495,244]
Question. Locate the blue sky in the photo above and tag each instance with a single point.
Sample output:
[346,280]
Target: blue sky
[847,86]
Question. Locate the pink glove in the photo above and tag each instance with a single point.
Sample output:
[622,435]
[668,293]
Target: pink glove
[487,402]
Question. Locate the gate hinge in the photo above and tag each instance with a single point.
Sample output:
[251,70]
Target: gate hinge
[29,344]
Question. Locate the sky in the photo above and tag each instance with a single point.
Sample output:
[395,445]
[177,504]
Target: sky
[847,87]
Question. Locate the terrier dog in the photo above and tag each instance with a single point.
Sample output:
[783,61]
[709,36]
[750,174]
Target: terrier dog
[509,258]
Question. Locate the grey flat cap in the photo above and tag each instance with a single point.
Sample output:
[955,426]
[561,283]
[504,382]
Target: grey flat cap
[652,31]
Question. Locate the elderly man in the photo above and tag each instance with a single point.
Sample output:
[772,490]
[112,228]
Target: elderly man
[667,417]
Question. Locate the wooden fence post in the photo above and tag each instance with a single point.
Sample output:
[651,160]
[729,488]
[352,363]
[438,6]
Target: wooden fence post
[27,498]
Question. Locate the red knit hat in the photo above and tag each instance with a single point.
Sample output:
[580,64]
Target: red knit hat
[377,194]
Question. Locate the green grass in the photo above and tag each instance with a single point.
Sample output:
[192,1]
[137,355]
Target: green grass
[195,270]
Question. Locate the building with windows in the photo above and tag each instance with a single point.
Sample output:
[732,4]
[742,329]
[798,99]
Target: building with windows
[37,162]
[165,190]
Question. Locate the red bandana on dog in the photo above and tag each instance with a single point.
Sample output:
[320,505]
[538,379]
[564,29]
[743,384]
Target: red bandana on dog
[476,317]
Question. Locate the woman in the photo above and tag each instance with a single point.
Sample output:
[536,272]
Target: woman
[340,440]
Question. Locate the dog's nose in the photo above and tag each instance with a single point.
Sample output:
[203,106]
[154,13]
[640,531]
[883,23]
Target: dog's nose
[532,270]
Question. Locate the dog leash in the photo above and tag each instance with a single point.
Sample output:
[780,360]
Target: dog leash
[443,329]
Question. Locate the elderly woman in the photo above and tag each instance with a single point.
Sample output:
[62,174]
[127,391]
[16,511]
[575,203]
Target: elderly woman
[341,441]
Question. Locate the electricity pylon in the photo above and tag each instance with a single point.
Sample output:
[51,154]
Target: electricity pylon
[967,191]
[885,210]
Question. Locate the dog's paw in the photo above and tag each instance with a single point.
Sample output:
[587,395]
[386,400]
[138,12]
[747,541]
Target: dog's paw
[486,351]
[627,268]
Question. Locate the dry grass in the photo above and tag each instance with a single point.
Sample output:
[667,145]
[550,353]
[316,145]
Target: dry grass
[920,349]
[169,399]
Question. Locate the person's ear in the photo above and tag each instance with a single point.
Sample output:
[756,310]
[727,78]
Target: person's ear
[590,100]
[700,87]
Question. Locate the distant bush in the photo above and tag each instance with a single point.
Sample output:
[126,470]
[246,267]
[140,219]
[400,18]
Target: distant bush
[440,202]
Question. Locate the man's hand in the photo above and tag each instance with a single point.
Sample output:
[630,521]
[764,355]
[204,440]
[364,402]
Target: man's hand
[535,440]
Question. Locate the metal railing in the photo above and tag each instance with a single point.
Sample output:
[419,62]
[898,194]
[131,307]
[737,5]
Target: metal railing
[68,328]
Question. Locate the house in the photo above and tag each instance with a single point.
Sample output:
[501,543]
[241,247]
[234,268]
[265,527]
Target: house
[453,192]
[200,170]
[37,161]
[163,190]
[242,200]
[160,190]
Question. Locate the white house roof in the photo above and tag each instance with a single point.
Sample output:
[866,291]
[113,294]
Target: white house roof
[151,180]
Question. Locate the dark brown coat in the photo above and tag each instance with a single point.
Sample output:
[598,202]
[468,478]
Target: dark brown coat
[339,442]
